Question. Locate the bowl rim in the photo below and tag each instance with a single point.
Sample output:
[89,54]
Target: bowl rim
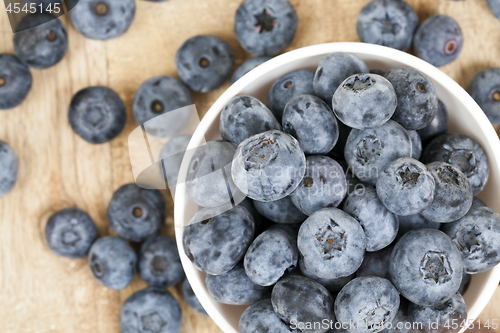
[302,53]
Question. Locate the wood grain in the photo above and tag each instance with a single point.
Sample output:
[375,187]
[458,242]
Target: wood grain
[40,292]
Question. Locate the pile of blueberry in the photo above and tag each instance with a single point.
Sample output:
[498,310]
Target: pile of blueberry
[372,143]
[360,206]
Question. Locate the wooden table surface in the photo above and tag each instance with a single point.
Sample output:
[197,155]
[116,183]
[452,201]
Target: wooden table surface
[40,292]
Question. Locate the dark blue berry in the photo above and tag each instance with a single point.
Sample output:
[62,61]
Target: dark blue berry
[406,186]
[103,19]
[204,63]
[485,89]
[97,114]
[135,213]
[438,40]
[260,317]
[268,166]
[113,262]
[417,98]
[364,101]
[332,243]
[300,300]
[311,121]
[272,254]
[158,96]
[332,70]
[324,185]
[215,245]
[247,66]
[367,151]
[453,194]
[265,27]
[287,87]
[464,153]
[234,287]
[389,23]
[369,299]
[159,262]
[416,144]
[41,40]
[426,267]
[151,310]
[70,232]
[379,224]
[9,166]
[477,237]
[15,81]
[245,116]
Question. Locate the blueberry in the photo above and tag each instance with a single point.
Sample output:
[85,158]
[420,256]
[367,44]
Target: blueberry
[157,96]
[245,116]
[453,194]
[406,186]
[369,299]
[337,153]
[265,27]
[494,6]
[280,211]
[299,300]
[389,23]
[159,262]
[368,150]
[426,267]
[272,254]
[70,232]
[9,166]
[259,219]
[204,63]
[485,89]
[217,244]
[417,98]
[379,224]
[401,323]
[333,285]
[208,179]
[438,40]
[260,317]
[151,310]
[247,66]
[40,40]
[268,166]
[324,185]
[477,202]
[15,81]
[97,114]
[332,243]
[416,144]
[413,222]
[171,156]
[438,125]
[364,101]
[466,278]
[287,87]
[452,311]
[191,299]
[113,262]
[103,19]
[477,237]
[376,263]
[332,70]
[312,123]
[464,153]
[136,213]
[234,287]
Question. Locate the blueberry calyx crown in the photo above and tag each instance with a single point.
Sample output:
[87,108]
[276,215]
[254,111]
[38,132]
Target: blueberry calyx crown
[467,239]
[265,22]
[464,159]
[152,322]
[407,176]
[359,82]
[435,267]
[448,175]
[332,239]
[369,149]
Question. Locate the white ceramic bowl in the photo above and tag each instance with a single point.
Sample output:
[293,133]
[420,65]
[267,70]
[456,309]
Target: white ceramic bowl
[465,117]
